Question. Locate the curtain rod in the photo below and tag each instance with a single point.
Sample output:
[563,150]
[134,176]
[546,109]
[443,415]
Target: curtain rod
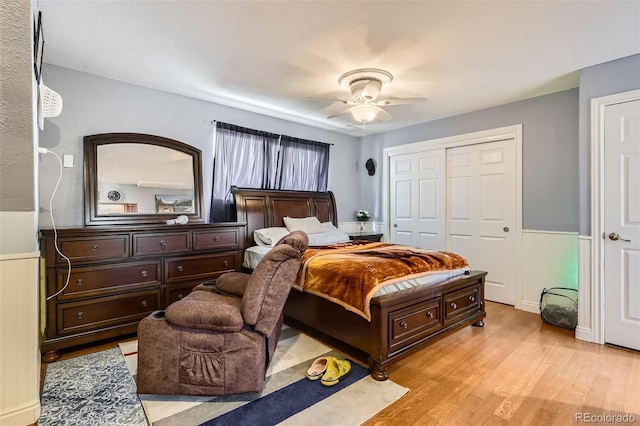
[328,143]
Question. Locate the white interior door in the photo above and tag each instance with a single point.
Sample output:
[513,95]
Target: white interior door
[417,199]
[482,211]
[622,224]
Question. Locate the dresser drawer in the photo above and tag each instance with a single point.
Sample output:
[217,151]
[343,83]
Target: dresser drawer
[216,239]
[103,312]
[176,292]
[459,304]
[146,244]
[199,267]
[412,323]
[91,281]
[84,249]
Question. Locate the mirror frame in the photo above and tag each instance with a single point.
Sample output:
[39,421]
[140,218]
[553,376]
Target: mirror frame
[91,144]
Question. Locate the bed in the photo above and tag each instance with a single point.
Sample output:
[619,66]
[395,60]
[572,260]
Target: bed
[399,322]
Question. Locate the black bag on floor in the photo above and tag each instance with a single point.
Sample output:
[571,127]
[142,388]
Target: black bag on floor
[559,307]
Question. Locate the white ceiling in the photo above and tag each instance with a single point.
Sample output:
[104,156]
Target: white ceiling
[271,56]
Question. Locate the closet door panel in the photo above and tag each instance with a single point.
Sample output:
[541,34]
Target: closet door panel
[417,199]
[481,199]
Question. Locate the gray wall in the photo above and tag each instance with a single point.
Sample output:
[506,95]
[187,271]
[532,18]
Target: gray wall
[617,76]
[549,151]
[93,104]
[18,222]
[16,106]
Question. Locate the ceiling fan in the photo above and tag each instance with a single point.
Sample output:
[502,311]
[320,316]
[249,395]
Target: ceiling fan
[365,85]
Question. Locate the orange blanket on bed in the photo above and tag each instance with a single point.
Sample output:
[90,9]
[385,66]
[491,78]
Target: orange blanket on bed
[349,274]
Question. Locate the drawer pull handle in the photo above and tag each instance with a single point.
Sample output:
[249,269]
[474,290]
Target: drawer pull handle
[429,314]
[94,247]
[144,303]
[79,281]
[163,244]
[454,306]
[403,324]
[225,263]
[79,315]
[180,296]
[472,299]
[144,273]
[180,268]
[216,238]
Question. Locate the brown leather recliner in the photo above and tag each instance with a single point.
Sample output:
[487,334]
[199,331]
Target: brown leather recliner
[219,339]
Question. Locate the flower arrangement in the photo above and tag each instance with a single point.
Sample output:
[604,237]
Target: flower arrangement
[362,215]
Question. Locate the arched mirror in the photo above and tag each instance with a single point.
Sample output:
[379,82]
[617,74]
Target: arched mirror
[134,179]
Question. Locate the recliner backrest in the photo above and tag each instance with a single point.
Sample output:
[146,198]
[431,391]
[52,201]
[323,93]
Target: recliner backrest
[270,282]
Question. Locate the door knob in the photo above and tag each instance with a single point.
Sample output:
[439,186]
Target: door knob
[615,237]
[505,229]
[395,225]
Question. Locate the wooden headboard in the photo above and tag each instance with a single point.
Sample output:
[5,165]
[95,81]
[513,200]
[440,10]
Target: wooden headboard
[264,208]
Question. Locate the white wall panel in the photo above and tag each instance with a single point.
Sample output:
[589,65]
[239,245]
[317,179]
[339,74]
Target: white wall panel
[549,259]
[584,330]
[19,352]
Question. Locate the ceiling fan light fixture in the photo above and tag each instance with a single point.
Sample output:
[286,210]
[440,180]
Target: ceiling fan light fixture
[364,113]
[348,78]
[365,83]
[365,90]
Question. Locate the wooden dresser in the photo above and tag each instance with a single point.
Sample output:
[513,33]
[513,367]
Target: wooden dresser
[119,275]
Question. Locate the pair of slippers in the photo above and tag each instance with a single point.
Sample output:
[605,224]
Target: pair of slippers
[329,370]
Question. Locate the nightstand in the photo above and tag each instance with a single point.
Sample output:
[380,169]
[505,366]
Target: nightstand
[366,237]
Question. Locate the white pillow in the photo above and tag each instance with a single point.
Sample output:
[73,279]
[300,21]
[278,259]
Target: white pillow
[328,226]
[328,237]
[269,236]
[309,225]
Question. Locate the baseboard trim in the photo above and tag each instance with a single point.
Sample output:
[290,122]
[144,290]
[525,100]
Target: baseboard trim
[27,414]
[529,306]
[584,334]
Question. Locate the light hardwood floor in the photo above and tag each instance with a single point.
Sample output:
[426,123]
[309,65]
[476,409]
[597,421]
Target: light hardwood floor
[516,370]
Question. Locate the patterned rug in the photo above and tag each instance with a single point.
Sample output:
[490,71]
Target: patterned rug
[94,389]
[288,398]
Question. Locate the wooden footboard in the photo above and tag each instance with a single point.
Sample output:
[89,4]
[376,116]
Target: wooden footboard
[401,323]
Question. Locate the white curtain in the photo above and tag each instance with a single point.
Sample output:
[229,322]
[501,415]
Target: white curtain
[250,158]
[243,158]
[303,165]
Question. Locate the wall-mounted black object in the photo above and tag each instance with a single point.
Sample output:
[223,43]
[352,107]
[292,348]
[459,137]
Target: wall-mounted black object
[38,47]
[371,166]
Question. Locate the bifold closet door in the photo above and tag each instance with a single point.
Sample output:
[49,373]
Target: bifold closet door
[417,199]
[481,213]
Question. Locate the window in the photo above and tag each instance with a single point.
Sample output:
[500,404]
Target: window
[250,158]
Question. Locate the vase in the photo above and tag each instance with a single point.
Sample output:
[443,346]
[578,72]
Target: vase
[362,227]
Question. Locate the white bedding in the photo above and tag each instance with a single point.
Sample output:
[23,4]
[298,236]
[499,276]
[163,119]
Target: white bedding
[253,254]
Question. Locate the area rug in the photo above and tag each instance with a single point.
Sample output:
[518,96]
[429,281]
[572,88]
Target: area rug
[94,389]
[99,389]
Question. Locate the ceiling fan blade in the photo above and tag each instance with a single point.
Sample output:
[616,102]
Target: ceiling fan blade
[336,114]
[333,100]
[383,115]
[398,101]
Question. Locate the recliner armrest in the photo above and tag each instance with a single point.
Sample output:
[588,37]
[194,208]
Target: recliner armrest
[233,283]
[209,311]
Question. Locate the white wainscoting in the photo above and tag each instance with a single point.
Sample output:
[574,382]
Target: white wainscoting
[19,352]
[584,330]
[549,259]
